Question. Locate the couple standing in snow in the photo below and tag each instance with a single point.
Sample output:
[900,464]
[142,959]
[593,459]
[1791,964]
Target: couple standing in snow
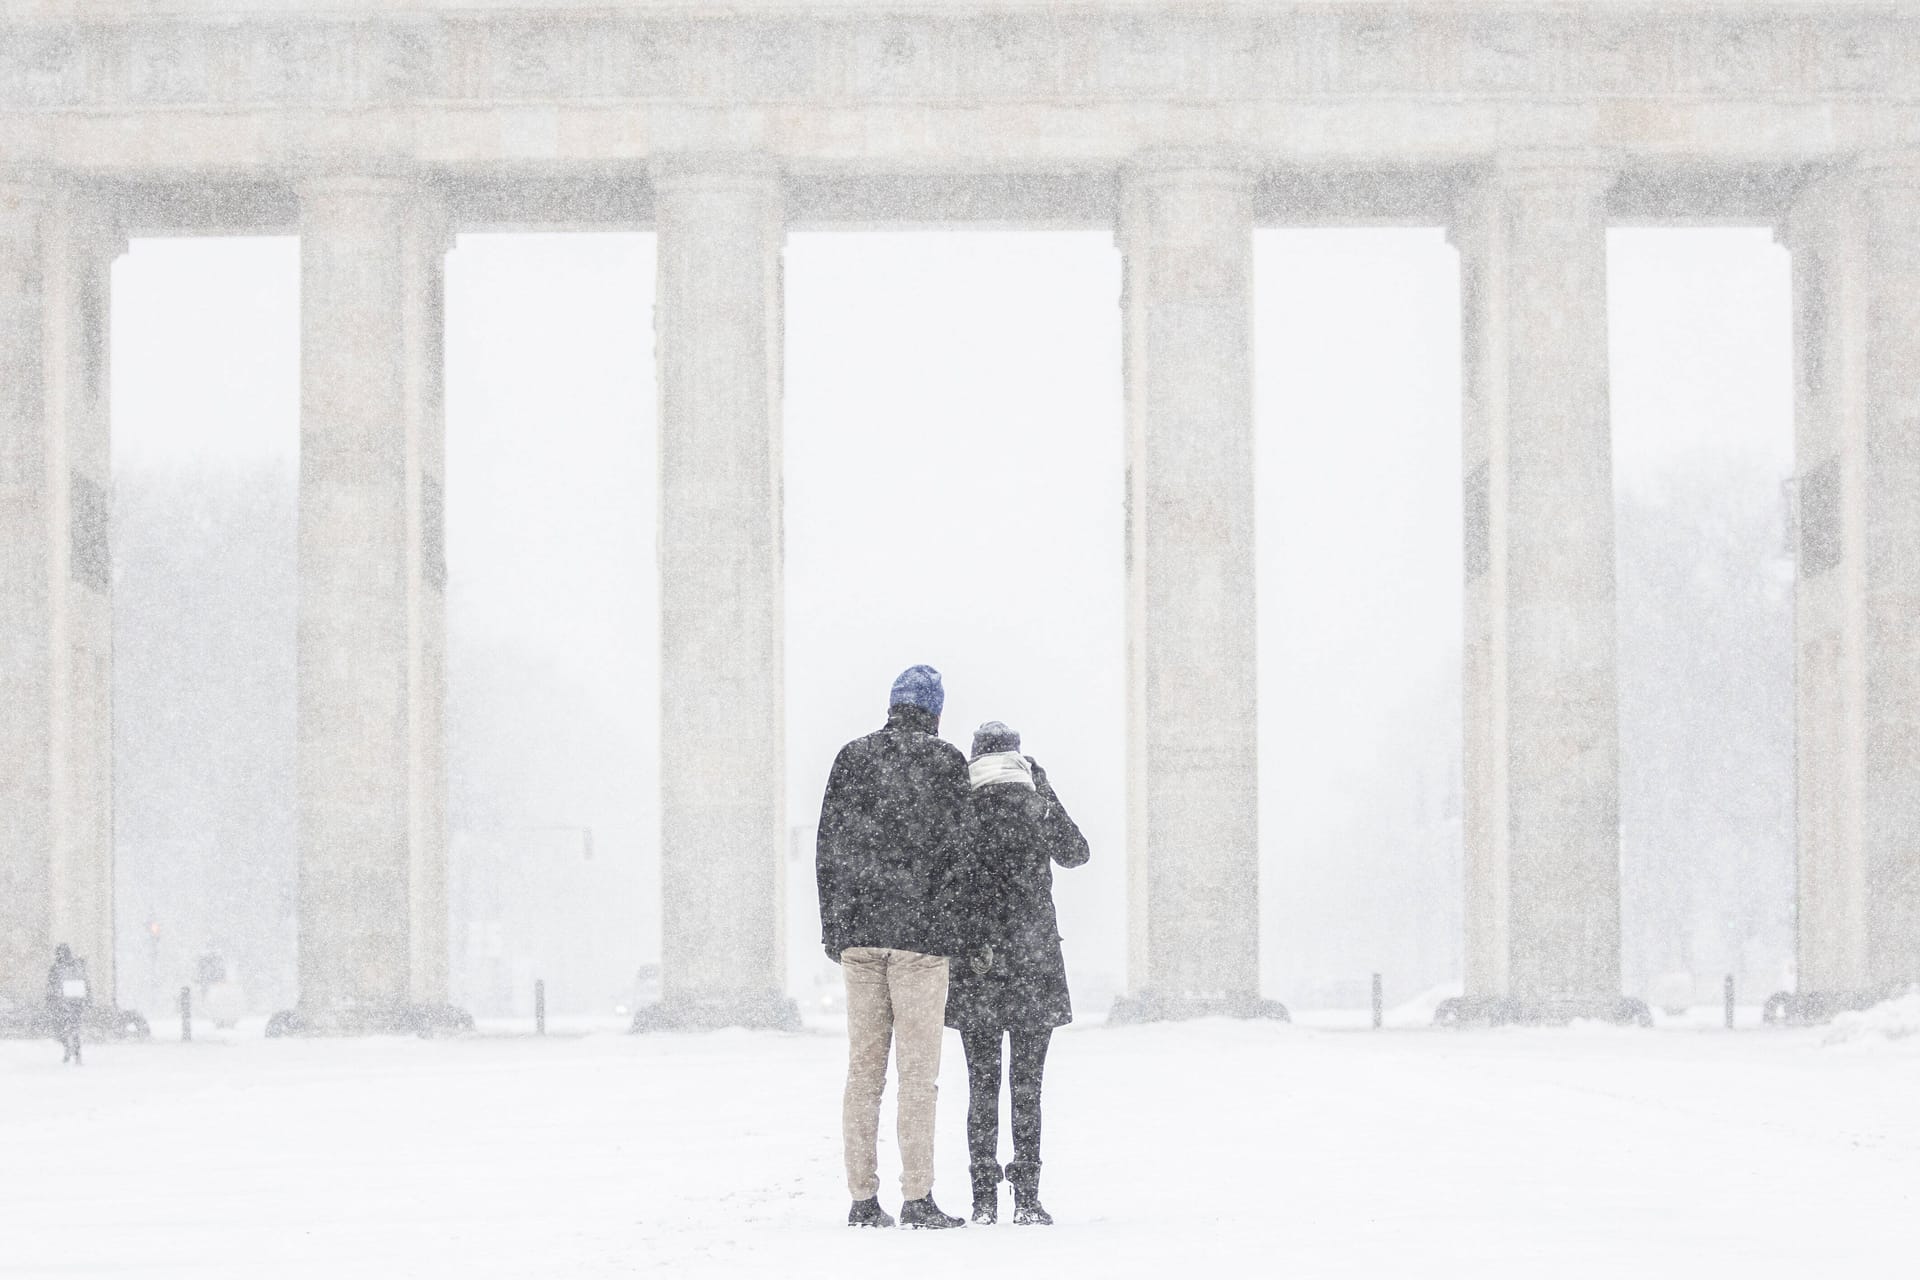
[936,900]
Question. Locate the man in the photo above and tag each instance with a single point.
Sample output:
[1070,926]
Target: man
[892,827]
[67,998]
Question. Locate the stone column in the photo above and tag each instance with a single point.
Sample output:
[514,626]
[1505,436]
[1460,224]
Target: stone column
[717,325]
[57,244]
[1186,239]
[372,565]
[1855,238]
[1542,735]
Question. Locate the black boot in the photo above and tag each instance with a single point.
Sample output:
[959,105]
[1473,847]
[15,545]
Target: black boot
[925,1213]
[868,1213]
[986,1193]
[1027,1211]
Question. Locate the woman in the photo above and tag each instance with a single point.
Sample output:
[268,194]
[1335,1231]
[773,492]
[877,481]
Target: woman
[1012,983]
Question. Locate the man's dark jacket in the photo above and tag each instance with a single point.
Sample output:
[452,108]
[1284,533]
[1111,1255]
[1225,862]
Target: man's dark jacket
[1015,977]
[892,826]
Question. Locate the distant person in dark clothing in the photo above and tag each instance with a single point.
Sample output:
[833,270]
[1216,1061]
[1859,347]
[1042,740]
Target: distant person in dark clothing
[1012,984]
[892,825]
[209,971]
[68,995]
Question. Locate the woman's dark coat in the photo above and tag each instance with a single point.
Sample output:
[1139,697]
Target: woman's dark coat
[1013,975]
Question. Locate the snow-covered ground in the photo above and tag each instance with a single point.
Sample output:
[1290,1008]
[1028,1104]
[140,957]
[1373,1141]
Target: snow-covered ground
[1215,1148]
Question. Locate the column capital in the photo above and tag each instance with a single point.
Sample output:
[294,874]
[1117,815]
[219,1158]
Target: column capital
[371,184]
[694,192]
[1897,169]
[421,201]
[1573,174]
[1181,188]
[27,169]
[1580,167]
[1823,195]
[92,217]
[23,198]
[1187,167]
[1467,212]
[1828,189]
[707,170]
[1865,169]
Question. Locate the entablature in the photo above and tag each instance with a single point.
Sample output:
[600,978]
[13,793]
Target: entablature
[343,56]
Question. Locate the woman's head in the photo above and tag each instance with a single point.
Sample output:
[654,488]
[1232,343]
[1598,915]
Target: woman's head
[993,737]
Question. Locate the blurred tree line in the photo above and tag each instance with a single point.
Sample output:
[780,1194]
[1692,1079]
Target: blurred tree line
[1706,731]
[203,698]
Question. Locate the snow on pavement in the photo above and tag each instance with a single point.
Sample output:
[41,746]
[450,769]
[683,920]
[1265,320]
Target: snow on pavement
[1215,1148]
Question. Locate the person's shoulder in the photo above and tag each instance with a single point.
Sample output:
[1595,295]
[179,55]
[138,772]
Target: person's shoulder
[948,753]
[867,752]
[898,740]
[863,745]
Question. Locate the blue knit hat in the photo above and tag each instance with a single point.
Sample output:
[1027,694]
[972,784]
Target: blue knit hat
[918,686]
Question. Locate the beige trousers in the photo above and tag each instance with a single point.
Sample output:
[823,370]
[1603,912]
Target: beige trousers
[898,996]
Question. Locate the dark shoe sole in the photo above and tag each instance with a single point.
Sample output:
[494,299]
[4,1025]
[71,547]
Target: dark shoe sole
[924,1215]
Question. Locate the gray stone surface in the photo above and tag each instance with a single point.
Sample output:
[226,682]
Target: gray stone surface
[372,787]
[56,650]
[1541,768]
[717,330]
[1855,237]
[1186,239]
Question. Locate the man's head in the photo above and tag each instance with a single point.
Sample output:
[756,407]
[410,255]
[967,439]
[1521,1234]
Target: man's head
[63,953]
[918,686]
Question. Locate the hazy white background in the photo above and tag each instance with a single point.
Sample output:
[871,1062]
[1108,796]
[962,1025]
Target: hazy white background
[954,496]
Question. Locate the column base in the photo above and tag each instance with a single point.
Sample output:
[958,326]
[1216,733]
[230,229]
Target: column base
[1512,1011]
[770,1011]
[1813,1008]
[105,1022]
[421,1020]
[1150,1006]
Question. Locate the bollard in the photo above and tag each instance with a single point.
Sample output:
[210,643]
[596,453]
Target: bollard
[1729,999]
[186,1013]
[1379,1004]
[539,1006]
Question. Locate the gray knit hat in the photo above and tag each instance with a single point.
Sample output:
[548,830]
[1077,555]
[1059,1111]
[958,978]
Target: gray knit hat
[993,737]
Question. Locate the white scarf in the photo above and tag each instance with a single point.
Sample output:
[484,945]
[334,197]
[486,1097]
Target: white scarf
[1001,767]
